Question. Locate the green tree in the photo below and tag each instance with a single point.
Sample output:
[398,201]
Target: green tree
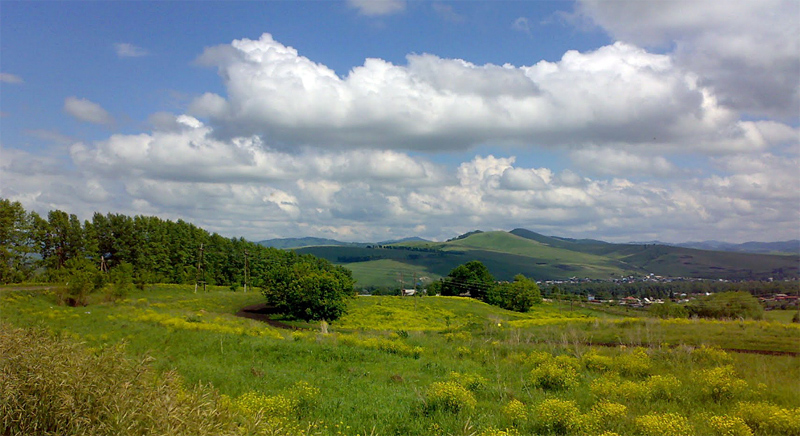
[16,242]
[472,277]
[668,310]
[727,305]
[519,295]
[308,288]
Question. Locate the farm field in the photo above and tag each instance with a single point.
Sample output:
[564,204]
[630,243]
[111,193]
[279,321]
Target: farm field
[446,365]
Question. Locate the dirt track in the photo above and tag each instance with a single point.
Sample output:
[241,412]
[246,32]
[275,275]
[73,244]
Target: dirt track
[262,312]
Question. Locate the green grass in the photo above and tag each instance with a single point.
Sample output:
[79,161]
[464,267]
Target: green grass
[376,366]
[780,315]
[379,273]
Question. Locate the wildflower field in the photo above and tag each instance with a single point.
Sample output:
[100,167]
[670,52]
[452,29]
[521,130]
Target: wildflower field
[392,366]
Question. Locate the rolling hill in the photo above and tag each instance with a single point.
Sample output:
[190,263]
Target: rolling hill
[546,258]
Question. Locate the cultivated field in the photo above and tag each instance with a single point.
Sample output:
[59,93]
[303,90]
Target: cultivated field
[398,366]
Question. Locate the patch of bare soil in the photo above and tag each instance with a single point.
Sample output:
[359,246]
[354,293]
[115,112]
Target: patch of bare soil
[263,312]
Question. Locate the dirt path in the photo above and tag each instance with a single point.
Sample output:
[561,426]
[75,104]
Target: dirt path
[261,312]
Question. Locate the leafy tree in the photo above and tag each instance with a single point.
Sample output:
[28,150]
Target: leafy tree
[519,295]
[308,288]
[668,310]
[726,305]
[472,277]
[16,242]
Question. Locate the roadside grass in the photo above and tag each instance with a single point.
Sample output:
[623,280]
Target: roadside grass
[381,368]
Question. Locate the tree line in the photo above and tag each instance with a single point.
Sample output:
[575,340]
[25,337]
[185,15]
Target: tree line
[153,250]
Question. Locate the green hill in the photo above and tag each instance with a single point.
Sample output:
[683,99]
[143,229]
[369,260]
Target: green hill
[547,258]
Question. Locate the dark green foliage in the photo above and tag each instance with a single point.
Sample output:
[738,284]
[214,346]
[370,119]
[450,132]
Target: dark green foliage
[472,277]
[120,280]
[519,295]
[668,310]
[82,278]
[727,305]
[143,250]
[17,244]
[308,288]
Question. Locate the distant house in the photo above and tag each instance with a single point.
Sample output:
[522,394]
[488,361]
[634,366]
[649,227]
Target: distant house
[630,300]
[409,292]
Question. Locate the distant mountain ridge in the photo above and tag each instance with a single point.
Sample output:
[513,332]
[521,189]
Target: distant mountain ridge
[289,243]
[788,247]
[522,251]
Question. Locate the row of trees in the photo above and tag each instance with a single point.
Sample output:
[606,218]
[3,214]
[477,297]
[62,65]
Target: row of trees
[475,280]
[151,250]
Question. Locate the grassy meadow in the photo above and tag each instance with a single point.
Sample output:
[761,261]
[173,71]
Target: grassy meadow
[426,366]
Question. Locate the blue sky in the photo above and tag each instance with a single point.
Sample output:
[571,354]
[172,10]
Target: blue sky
[370,120]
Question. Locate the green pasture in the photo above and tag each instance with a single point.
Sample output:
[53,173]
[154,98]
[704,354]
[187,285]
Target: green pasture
[383,368]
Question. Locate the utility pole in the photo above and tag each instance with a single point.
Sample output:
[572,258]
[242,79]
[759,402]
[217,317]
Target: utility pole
[246,271]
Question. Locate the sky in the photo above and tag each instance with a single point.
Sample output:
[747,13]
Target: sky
[369,120]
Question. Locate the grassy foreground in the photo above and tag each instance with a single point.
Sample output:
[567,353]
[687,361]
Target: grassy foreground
[421,366]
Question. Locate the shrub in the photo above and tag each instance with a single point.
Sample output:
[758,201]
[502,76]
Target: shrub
[663,387]
[557,416]
[719,383]
[664,424]
[516,412]
[519,295]
[614,388]
[711,356]
[449,397]
[727,305]
[594,361]
[635,363]
[605,414]
[473,382]
[551,375]
[766,418]
[729,426]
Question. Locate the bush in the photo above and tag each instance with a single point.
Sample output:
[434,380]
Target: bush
[769,419]
[605,414]
[309,289]
[663,387]
[516,412]
[664,424]
[635,363]
[473,382]
[449,397]
[551,375]
[594,361]
[719,383]
[729,426]
[558,416]
[727,305]
[519,295]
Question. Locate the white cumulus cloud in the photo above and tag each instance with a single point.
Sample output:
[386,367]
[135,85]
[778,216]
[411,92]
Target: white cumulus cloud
[616,94]
[747,51]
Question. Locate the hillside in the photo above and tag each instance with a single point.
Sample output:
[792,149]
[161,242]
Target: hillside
[547,258]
